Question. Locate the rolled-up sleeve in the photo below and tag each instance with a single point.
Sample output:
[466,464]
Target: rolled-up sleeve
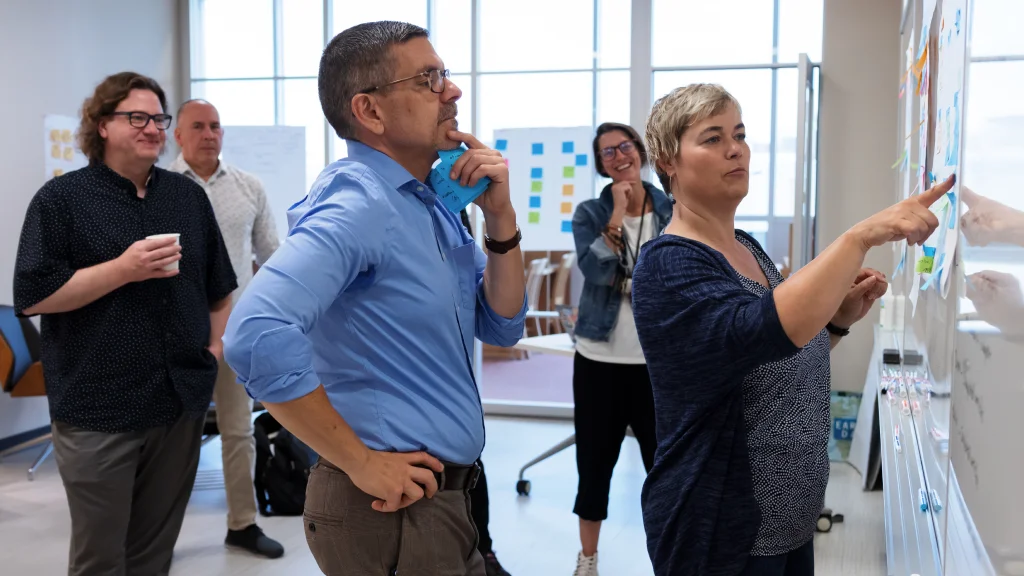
[491,327]
[266,342]
[42,265]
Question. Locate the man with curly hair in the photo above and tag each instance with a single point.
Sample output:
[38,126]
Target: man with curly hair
[131,328]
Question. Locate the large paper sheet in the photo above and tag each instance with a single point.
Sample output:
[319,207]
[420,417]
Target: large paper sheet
[60,152]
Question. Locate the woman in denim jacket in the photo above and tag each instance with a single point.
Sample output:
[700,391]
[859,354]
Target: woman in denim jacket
[611,388]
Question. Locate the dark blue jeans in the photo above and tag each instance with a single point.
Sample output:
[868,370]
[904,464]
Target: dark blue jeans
[799,562]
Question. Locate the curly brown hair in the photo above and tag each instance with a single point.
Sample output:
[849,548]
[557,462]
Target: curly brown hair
[103,102]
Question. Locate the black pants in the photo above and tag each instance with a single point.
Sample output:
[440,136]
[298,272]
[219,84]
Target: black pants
[799,562]
[608,397]
[480,508]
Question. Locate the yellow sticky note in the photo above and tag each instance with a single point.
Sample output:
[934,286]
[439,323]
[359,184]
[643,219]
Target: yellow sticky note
[567,190]
[55,151]
[54,135]
[57,172]
[566,207]
[65,136]
[69,153]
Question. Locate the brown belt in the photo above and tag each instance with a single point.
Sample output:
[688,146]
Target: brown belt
[454,477]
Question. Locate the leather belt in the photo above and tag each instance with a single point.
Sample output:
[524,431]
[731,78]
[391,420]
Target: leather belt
[455,477]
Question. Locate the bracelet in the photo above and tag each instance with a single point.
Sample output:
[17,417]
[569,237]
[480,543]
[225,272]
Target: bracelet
[836,330]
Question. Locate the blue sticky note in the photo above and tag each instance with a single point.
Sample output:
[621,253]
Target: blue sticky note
[581,159]
[452,194]
[929,251]
[536,173]
[501,145]
[568,147]
[538,149]
[534,201]
[567,226]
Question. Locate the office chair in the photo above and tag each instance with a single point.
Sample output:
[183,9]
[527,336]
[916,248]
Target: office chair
[21,372]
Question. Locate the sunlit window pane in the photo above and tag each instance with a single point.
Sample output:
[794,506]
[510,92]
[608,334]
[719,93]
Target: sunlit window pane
[800,26]
[703,33]
[785,142]
[753,90]
[995,119]
[613,96]
[302,24]
[240,102]
[300,106]
[613,29]
[536,35]
[451,34]
[465,103]
[236,39]
[996,30]
[568,102]
[348,14]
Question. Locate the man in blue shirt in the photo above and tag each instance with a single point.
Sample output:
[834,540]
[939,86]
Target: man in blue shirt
[357,334]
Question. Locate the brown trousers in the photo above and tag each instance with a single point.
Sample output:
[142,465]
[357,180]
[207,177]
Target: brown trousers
[435,537]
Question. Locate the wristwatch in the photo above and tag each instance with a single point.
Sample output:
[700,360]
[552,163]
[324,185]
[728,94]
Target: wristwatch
[836,330]
[497,247]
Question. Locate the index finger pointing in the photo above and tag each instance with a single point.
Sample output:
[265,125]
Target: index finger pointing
[969,197]
[466,138]
[929,196]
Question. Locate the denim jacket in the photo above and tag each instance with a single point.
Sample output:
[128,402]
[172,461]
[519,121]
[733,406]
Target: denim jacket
[599,301]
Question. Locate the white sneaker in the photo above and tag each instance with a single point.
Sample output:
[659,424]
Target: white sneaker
[586,565]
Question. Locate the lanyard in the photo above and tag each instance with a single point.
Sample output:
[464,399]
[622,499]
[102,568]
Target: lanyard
[634,254]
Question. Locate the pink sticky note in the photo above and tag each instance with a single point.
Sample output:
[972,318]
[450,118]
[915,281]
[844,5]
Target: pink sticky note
[506,162]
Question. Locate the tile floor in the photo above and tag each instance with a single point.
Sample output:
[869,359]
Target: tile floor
[535,536]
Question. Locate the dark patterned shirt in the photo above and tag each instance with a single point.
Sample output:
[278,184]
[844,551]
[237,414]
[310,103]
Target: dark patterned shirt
[135,358]
[742,414]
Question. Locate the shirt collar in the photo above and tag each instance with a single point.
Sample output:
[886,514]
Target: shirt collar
[107,173]
[182,167]
[392,172]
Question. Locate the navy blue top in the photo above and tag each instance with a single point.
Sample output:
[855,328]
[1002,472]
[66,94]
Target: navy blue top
[726,381]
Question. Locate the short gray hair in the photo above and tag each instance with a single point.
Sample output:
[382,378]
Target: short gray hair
[357,60]
[673,113]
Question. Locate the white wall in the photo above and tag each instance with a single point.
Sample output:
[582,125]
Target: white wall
[54,52]
[860,78]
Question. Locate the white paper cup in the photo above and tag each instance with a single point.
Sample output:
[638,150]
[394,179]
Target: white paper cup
[177,241]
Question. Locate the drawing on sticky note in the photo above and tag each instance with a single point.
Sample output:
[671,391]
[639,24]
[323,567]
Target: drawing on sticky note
[538,148]
[534,218]
[536,173]
[55,151]
[567,190]
[534,201]
[567,226]
[501,145]
[65,136]
[54,135]
[537,186]
[568,147]
[69,153]
[581,159]
[566,207]
[569,172]
[924,265]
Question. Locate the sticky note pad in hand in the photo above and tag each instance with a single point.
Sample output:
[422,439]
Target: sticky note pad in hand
[453,194]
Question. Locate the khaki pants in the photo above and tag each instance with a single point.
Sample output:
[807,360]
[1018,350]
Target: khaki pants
[127,494]
[238,447]
[347,537]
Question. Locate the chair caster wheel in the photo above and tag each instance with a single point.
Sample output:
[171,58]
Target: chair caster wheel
[523,487]
[824,523]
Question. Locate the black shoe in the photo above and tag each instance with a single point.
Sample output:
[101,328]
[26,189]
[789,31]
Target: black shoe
[493,566]
[254,540]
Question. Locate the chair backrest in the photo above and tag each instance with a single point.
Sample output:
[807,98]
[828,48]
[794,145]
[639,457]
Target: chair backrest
[562,278]
[534,276]
[16,351]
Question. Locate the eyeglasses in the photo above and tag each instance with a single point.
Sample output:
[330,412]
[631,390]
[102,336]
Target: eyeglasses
[141,119]
[626,147]
[435,79]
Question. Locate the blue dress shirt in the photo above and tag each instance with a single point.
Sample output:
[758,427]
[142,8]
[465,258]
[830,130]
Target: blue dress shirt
[376,293]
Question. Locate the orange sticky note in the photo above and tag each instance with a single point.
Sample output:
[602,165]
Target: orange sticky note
[567,190]
[566,207]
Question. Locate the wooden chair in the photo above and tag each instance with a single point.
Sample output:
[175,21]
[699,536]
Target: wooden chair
[21,372]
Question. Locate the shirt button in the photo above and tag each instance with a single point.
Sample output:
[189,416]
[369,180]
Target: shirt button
[419,188]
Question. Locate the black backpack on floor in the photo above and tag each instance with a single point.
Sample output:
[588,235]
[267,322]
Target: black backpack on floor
[282,469]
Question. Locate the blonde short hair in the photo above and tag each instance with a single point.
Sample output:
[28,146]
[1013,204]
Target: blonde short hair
[673,113]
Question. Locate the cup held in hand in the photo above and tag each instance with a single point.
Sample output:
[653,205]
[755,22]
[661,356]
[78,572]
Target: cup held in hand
[177,241]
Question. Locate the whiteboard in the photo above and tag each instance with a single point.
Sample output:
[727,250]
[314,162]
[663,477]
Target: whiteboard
[550,171]
[277,156]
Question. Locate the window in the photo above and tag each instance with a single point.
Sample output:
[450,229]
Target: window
[702,33]
[996,29]
[233,39]
[513,37]
[302,38]
[300,106]
[240,102]
[348,14]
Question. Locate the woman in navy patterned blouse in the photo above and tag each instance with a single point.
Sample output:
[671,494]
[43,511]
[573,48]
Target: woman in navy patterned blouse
[739,360]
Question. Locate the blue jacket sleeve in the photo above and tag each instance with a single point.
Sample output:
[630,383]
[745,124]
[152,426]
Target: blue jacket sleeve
[596,260]
[337,238]
[491,327]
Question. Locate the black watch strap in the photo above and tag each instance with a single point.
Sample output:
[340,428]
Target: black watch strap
[493,245]
[836,330]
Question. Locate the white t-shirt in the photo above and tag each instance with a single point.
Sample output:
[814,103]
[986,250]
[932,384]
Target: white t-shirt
[623,345]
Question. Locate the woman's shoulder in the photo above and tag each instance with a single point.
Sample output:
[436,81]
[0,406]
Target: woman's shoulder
[670,251]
